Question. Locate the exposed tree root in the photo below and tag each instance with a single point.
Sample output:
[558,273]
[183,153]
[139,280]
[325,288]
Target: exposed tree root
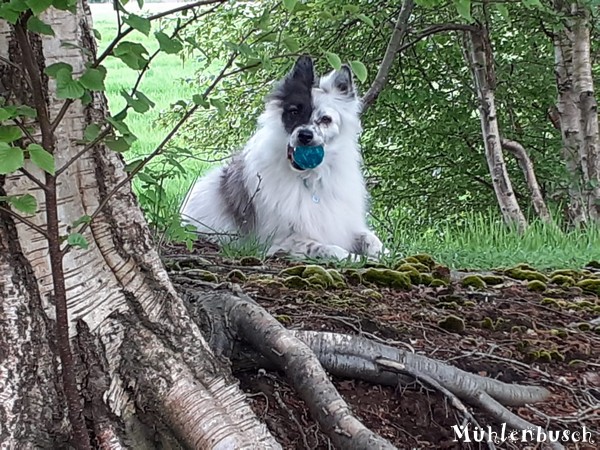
[302,355]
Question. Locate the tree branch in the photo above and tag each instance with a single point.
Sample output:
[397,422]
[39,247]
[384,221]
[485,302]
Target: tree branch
[390,54]
[27,222]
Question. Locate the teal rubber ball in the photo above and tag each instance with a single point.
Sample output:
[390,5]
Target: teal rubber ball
[308,157]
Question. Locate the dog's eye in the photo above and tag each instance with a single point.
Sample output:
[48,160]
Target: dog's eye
[325,120]
[294,110]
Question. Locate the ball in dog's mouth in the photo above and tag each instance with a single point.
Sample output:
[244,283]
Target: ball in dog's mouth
[304,158]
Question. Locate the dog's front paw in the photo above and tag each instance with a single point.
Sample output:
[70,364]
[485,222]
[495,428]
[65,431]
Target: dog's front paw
[370,245]
[334,252]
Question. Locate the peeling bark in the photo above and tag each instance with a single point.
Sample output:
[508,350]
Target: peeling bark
[480,61]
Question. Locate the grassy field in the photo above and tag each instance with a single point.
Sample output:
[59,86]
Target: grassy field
[482,242]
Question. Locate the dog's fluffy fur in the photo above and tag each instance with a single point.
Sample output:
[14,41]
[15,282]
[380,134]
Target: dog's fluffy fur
[316,213]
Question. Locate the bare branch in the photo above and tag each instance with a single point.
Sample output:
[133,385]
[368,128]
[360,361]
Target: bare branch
[390,53]
[27,222]
[537,199]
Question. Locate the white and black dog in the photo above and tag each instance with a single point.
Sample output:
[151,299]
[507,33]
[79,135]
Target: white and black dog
[318,212]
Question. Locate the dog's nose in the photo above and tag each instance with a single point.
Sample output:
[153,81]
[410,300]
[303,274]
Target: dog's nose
[305,136]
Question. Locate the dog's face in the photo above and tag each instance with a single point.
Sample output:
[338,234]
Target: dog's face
[312,109]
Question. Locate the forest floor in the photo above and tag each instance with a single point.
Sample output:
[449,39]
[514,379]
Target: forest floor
[543,333]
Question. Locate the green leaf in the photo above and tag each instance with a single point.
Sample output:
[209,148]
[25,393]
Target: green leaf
[219,104]
[91,132]
[200,100]
[291,44]
[140,103]
[118,125]
[138,23]
[366,20]
[12,10]
[53,69]
[290,4]
[25,203]
[38,6]
[132,54]
[118,144]
[37,26]
[359,69]
[11,158]
[93,79]
[97,34]
[334,60]
[503,10]
[66,86]
[26,111]
[77,240]
[464,9]
[81,220]
[41,158]
[133,165]
[10,133]
[167,44]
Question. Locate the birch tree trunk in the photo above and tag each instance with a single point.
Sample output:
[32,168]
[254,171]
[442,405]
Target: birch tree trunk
[147,367]
[479,58]
[578,114]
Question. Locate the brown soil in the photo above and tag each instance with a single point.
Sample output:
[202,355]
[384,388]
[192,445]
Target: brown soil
[510,333]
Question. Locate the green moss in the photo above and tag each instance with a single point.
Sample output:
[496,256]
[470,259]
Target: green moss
[338,280]
[317,275]
[524,266]
[387,277]
[562,280]
[236,276]
[487,323]
[452,323]
[547,301]
[590,285]
[296,282]
[371,294]
[411,271]
[411,260]
[566,273]
[584,326]
[469,304]
[473,281]
[536,286]
[204,275]
[492,280]
[559,333]
[267,282]
[426,279]
[353,276]
[425,259]
[291,271]
[284,319]
[436,282]
[527,275]
[593,265]
[250,261]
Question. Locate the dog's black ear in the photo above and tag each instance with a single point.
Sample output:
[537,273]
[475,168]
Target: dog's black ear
[303,70]
[343,80]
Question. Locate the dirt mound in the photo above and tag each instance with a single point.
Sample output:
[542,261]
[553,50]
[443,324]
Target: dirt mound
[517,325]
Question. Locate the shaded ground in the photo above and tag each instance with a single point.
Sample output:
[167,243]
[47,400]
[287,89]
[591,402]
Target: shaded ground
[507,331]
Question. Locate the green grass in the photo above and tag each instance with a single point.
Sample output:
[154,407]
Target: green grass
[484,242]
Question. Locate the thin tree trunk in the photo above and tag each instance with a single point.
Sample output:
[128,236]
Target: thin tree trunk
[480,61]
[117,289]
[589,150]
[537,199]
[577,111]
